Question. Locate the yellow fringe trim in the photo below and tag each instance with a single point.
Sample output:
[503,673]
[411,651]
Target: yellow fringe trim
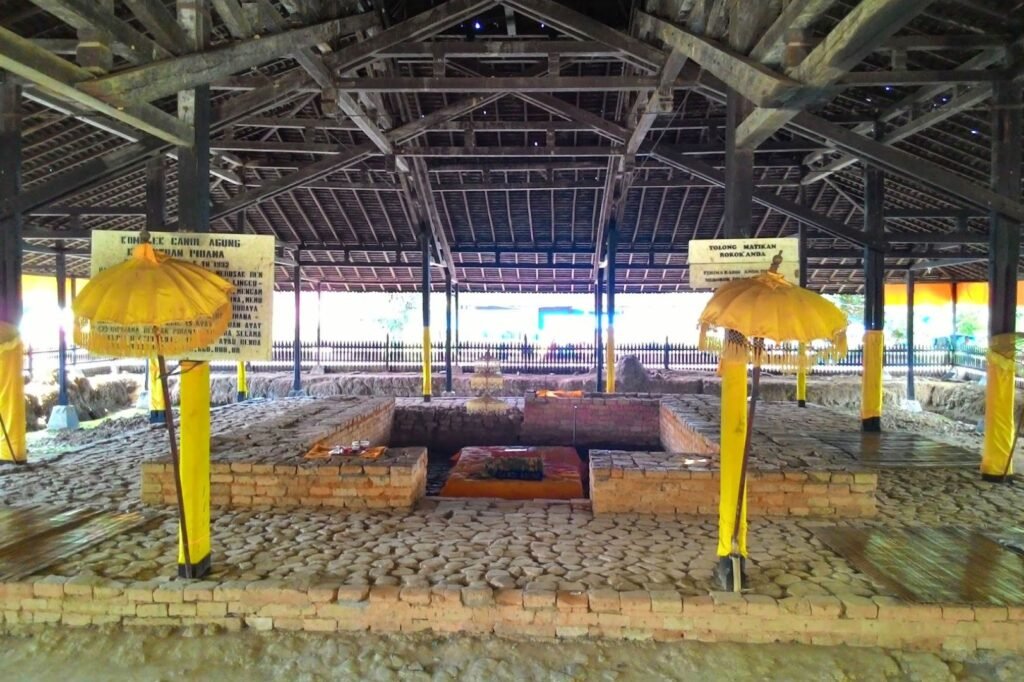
[137,341]
[777,357]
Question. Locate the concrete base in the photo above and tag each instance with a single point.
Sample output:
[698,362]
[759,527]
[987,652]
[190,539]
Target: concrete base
[62,417]
[143,402]
[911,406]
[297,394]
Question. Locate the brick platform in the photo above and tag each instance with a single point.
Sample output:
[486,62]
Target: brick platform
[670,483]
[639,614]
[262,463]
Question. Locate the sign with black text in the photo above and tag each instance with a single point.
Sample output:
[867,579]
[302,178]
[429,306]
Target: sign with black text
[244,260]
[713,262]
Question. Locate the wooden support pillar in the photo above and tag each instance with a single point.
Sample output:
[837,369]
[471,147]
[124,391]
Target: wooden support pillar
[156,194]
[598,330]
[739,172]
[874,297]
[425,286]
[1004,254]
[613,247]
[910,336]
[297,391]
[63,415]
[194,216]
[10,188]
[447,332]
[319,320]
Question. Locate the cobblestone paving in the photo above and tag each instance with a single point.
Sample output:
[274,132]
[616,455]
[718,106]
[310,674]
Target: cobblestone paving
[501,544]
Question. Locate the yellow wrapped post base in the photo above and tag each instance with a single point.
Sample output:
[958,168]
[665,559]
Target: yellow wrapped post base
[734,432]
[243,384]
[609,361]
[801,378]
[12,397]
[427,376]
[871,382]
[195,467]
[157,408]
[997,451]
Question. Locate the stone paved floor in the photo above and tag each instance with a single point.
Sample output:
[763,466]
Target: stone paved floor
[477,542]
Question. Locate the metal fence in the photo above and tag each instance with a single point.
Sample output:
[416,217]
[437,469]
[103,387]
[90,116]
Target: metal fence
[523,357]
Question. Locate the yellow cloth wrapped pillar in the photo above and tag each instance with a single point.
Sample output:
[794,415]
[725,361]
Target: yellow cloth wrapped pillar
[195,466]
[871,383]
[243,383]
[734,433]
[609,361]
[12,396]
[427,376]
[996,456]
[157,407]
[801,378]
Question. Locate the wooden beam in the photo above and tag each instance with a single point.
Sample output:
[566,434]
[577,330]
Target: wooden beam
[970,98]
[881,78]
[676,158]
[11,226]
[499,84]
[155,17]
[19,56]
[654,104]
[580,25]
[166,77]
[235,18]
[797,15]
[869,23]
[909,166]
[498,49]
[89,14]
[419,26]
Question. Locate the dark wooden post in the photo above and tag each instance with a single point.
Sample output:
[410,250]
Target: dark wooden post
[1004,254]
[613,246]
[598,332]
[10,188]
[448,331]
[425,286]
[874,296]
[297,338]
[910,335]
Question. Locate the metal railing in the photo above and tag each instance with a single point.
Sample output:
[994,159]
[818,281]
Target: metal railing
[524,357]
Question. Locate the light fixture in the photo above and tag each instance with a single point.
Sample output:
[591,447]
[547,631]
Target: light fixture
[477,25]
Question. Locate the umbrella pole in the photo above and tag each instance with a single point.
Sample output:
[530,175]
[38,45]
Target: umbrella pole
[755,383]
[175,464]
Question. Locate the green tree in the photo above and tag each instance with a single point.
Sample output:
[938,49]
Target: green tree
[394,315]
[852,306]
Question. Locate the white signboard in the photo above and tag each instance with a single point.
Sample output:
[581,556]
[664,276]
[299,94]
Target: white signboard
[713,262]
[247,261]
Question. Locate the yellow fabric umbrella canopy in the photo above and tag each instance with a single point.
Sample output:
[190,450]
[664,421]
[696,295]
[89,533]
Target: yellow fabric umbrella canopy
[750,311]
[771,308]
[152,304]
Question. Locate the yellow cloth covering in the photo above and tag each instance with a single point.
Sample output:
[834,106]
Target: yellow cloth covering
[734,432]
[609,361]
[156,391]
[871,384]
[999,398]
[195,459]
[427,379]
[12,396]
[801,375]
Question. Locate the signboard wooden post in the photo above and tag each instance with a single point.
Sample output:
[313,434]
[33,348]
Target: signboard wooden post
[247,261]
[713,262]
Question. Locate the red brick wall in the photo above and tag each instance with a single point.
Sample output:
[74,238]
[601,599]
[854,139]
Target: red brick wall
[614,420]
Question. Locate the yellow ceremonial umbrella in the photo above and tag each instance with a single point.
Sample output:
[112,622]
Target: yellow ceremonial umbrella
[751,311]
[153,304]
